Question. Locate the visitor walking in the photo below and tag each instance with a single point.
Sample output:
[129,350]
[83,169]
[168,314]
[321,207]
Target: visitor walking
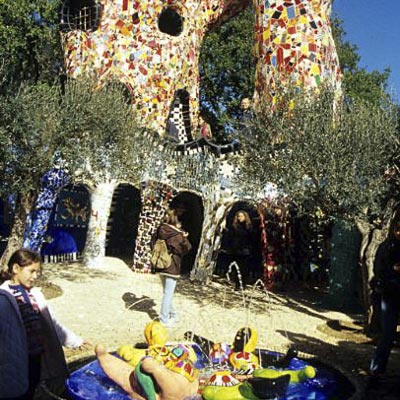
[43,335]
[178,245]
[386,282]
[242,245]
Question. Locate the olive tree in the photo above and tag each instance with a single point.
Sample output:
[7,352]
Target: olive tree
[331,156]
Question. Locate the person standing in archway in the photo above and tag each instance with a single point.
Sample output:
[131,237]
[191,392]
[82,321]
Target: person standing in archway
[242,245]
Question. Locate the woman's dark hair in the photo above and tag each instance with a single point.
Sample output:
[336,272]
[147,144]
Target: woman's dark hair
[171,217]
[22,257]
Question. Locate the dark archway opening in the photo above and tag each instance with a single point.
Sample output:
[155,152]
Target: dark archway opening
[190,210]
[80,14]
[68,224]
[123,222]
[170,22]
[225,253]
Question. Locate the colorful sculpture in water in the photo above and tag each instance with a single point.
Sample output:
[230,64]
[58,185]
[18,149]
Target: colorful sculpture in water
[156,372]
[242,356]
[151,379]
[156,337]
[153,47]
[165,371]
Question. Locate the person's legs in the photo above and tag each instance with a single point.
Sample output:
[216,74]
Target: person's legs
[167,309]
[390,314]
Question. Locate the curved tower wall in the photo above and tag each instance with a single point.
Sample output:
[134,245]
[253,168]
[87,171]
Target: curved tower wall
[294,47]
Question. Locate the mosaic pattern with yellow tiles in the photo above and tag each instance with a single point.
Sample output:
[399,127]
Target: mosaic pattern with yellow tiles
[294,47]
[153,46]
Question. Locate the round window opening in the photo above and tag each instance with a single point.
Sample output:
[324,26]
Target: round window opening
[170,22]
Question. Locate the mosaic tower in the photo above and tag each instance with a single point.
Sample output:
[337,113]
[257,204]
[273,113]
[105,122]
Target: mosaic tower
[152,46]
[294,47]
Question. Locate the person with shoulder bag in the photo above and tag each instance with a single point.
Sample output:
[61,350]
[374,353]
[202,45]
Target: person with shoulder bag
[178,245]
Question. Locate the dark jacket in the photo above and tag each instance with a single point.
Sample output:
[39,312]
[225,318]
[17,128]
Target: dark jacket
[242,240]
[177,243]
[387,279]
[13,349]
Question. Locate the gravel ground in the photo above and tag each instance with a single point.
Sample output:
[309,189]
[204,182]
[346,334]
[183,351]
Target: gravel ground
[110,304]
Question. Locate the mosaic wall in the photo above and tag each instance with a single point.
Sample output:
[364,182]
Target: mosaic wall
[204,175]
[51,184]
[152,46]
[294,47]
[100,198]
[155,200]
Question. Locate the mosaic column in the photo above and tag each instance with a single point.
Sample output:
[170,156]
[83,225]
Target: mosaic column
[155,200]
[51,184]
[294,48]
[100,199]
[215,209]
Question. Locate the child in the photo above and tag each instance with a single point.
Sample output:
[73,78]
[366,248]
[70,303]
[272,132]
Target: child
[45,336]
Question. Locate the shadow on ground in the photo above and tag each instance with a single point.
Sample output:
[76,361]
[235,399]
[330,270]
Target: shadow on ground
[142,304]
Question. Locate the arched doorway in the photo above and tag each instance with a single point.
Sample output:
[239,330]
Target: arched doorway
[190,211]
[224,255]
[123,222]
[68,224]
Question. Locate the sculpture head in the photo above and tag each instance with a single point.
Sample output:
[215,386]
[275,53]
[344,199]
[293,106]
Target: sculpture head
[155,334]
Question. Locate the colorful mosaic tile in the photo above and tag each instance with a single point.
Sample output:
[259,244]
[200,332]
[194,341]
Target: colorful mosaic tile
[294,47]
[152,46]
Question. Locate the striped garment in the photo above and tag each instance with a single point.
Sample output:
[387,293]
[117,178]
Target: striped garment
[30,314]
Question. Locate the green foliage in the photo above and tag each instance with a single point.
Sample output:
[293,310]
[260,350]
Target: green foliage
[330,158]
[29,132]
[227,70]
[101,137]
[30,43]
[91,132]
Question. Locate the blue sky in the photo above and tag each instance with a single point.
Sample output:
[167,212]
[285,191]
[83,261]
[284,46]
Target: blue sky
[374,26]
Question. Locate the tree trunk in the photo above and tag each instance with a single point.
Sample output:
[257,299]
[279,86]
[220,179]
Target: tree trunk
[22,208]
[372,238]
[365,229]
[373,303]
[101,199]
